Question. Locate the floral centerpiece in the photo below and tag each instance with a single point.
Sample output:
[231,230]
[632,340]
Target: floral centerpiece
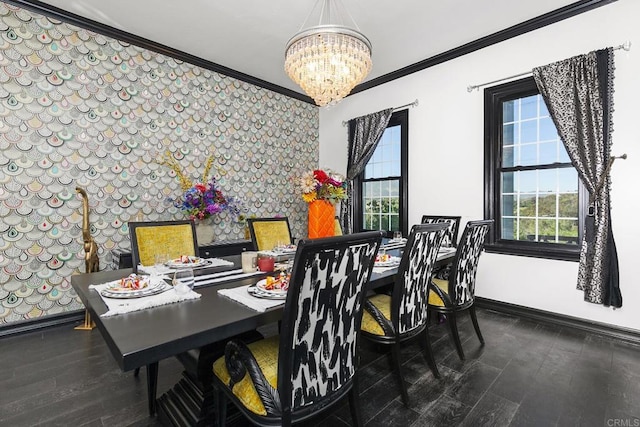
[322,189]
[322,185]
[200,200]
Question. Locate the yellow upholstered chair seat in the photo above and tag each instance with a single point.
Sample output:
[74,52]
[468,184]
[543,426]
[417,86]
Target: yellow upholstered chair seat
[266,354]
[434,298]
[383,303]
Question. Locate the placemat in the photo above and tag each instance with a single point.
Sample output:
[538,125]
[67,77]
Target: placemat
[121,306]
[241,295]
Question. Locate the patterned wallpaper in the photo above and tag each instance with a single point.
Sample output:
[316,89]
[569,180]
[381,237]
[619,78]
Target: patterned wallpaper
[81,109]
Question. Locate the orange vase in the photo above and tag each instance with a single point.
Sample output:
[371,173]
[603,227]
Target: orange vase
[321,219]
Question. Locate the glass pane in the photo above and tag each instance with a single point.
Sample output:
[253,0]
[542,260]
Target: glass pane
[527,229]
[548,152]
[508,228]
[563,157]
[529,131]
[527,205]
[543,107]
[547,205]
[508,134]
[547,230]
[527,181]
[568,180]
[508,205]
[508,185]
[568,205]
[547,181]
[529,107]
[508,157]
[568,231]
[528,155]
[385,160]
[548,130]
[509,111]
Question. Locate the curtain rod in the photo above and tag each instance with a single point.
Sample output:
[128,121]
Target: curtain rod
[626,46]
[411,104]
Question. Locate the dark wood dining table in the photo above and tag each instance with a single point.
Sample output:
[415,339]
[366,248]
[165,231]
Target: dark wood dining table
[143,338]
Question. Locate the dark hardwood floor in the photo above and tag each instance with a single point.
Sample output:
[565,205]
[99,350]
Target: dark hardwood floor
[527,374]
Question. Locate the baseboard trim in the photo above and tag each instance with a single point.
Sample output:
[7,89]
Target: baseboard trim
[45,322]
[615,332]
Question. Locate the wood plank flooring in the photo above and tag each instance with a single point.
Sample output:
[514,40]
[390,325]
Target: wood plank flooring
[527,374]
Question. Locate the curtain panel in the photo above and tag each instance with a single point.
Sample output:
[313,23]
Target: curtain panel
[364,134]
[578,94]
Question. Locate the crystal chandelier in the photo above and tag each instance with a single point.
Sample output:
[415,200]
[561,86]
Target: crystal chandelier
[327,60]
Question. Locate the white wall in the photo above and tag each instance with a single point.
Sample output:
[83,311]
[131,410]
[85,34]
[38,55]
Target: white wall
[446,152]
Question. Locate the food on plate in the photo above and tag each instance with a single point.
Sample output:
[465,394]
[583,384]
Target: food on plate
[280,282]
[186,259]
[383,258]
[133,282]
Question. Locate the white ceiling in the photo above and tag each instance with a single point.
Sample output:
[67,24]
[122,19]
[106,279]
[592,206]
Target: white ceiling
[249,36]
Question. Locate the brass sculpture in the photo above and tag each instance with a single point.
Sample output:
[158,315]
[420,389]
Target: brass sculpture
[91,261]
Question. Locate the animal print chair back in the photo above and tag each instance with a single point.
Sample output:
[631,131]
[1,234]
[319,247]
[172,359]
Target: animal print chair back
[410,291]
[323,312]
[462,281]
[453,223]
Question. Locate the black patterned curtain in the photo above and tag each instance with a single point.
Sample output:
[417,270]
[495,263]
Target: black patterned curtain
[578,93]
[364,134]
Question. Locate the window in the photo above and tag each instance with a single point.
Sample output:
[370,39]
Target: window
[532,191]
[381,190]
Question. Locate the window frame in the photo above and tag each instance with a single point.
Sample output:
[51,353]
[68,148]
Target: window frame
[398,118]
[494,97]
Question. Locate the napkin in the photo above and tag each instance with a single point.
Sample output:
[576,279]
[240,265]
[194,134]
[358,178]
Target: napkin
[241,295]
[128,305]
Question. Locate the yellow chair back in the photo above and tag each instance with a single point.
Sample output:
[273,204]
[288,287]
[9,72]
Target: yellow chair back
[268,234]
[174,240]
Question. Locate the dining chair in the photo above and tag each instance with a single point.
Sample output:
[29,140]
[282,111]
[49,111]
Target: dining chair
[401,316]
[313,363]
[451,236]
[457,294]
[267,233]
[175,238]
[450,239]
[337,227]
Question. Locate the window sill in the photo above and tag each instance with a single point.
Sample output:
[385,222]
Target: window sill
[535,250]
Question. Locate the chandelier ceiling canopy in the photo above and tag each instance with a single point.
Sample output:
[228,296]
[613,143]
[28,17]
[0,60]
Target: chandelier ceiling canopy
[329,59]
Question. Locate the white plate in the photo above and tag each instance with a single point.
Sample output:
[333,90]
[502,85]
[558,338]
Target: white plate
[195,262]
[285,250]
[261,286]
[111,291]
[253,290]
[391,262]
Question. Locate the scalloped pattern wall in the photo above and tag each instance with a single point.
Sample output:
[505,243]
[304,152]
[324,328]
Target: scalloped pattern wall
[81,109]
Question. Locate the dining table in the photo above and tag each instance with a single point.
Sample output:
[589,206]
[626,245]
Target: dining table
[145,337]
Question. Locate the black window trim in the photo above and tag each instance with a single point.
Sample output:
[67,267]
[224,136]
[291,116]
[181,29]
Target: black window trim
[493,99]
[398,118]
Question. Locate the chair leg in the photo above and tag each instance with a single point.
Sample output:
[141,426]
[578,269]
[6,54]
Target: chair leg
[221,406]
[395,355]
[354,403]
[474,320]
[428,354]
[136,372]
[453,326]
